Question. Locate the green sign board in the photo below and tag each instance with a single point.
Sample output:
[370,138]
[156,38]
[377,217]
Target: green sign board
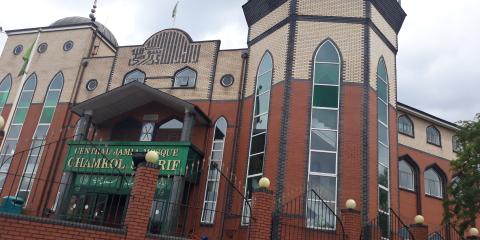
[175,158]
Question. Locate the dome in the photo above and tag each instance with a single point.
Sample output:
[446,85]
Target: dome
[69,21]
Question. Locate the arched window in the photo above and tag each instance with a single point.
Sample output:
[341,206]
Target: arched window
[134,76]
[405,125]
[13,132]
[323,157]
[169,131]
[185,78]
[406,175]
[433,183]
[258,135]
[433,136]
[5,90]
[456,146]
[213,177]
[383,143]
[40,135]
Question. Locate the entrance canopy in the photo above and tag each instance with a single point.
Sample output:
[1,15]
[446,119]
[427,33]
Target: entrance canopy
[130,96]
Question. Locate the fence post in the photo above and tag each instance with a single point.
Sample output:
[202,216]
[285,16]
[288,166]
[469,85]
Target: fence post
[352,223]
[263,204]
[141,199]
[419,231]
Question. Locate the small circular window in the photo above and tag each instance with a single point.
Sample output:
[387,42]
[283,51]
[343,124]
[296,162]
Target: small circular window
[18,49]
[92,84]
[227,80]
[67,46]
[42,47]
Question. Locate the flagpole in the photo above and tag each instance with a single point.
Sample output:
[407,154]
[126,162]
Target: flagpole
[174,14]
[20,87]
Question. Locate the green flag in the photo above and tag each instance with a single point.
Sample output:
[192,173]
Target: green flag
[174,12]
[26,59]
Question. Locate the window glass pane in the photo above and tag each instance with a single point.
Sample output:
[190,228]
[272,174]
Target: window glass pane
[433,136]
[8,149]
[258,144]
[261,103]
[135,76]
[256,164]
[260,124]
[52,98]
[14,131]
[6,83]
[382,134]
[208,212]
[327,73]
[185,78]
[323,162]
[382,175]
[31,83]
[320,215]
[324,118]
[327,53]
[211,191]
[382,111]
[325,96]
[47,114]
[324,186]
[265,64]
[383,155]
[382,69]
[405,126]
[57,82]
[324,140]
[252,185]
[218,146]
[382,90]
[383,199]
[264,82]
[217,155]
[3,98]
[20,115]
[405,175]
[25,99]
[172,124]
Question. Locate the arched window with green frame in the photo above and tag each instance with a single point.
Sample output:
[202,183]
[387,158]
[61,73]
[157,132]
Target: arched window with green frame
[13,133]
[5,86]
[39,137]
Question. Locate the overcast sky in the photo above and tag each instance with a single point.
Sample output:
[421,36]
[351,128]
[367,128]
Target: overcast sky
[438,68]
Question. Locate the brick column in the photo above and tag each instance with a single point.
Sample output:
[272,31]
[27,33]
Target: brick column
[263,204]
[352,223]
[140,204]
[419,231]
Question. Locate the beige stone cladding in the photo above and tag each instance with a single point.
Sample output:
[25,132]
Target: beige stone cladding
[54,59]
[161,76]
[99,69]
[342,8]
[104,50]
[229,62]
[379,49]
[276,44]
[348,38]
[276,16]
[384,27]
[419,141]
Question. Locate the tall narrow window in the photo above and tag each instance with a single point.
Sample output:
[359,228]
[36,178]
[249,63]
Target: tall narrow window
[5,90]
[213,177]
[383,148]
[433,136]
[40,135]
[259,130]
[433,183]
[322,177]
[13,133]
[406,175]
[405,125]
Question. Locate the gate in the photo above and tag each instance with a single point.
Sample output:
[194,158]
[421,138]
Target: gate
[386,227]
[307,216]
[446,232]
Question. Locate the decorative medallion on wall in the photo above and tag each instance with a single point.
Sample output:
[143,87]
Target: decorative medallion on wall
[166,47]
[18,49]
[42,47]
[67,46]
[227,80]
[92,84]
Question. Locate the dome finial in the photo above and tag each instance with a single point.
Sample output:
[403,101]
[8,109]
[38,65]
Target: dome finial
[92,12]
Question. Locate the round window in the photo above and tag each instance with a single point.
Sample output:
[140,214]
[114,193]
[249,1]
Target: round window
[42,47]
[18,49]
[92,84]
[227,80]
[67,46]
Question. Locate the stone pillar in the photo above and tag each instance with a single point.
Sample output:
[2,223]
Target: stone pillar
[263,205]
[419,231]
[141,199]
[188,122]
[352,223]
[83,126]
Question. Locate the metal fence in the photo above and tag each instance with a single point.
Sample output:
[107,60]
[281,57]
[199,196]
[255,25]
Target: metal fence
[308,216]
[446,232]
[386,227]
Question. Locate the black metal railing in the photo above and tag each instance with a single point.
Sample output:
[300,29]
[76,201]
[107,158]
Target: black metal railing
[308,216]
[386,226]
[446,232]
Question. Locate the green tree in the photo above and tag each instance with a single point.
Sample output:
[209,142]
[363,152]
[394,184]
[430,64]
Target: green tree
[463,202]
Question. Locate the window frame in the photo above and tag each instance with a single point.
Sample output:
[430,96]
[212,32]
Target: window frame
[183,87]
[439,136]
[413,177]
[455,142]
[133,71]
[440,182]
[411,124]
